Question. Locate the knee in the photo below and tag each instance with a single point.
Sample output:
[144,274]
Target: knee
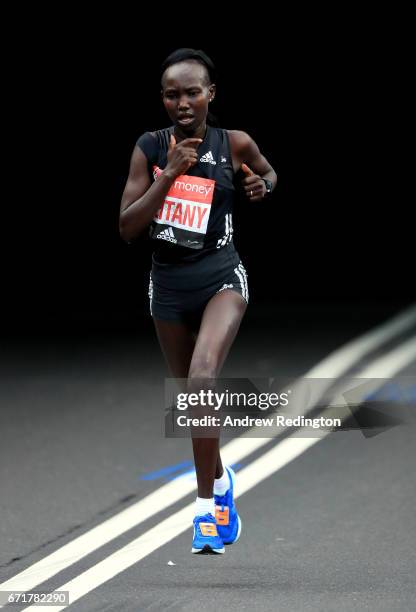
[202,375]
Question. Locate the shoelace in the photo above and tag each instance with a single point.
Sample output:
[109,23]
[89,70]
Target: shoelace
[205,518]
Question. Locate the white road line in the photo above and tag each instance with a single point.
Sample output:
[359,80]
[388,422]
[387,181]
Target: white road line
[260,469]
[113,527]
[395,360]
[334,365]
[347,355]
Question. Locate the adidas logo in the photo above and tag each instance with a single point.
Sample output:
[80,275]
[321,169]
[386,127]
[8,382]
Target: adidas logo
[225,286]
[167,234]
[208,158]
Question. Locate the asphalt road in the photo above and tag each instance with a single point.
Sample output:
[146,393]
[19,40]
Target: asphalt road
[82,437]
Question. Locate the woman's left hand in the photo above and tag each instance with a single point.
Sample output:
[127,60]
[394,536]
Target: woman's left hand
[253,184]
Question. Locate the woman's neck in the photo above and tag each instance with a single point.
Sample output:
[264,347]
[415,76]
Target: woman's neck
[200,132]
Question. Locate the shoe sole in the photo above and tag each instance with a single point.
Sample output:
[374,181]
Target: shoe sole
[207,550]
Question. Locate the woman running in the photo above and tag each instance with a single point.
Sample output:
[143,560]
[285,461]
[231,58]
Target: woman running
[180,186]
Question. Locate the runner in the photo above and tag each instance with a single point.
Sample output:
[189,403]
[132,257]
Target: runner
[181,189]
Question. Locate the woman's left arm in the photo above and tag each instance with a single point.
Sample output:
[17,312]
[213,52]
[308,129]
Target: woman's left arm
[255,166]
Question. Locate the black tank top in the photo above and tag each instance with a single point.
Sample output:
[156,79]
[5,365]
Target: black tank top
[196,217]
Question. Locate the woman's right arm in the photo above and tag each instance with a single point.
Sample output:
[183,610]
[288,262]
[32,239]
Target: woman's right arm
[141,198]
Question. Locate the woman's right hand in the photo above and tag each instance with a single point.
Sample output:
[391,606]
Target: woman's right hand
[181,156]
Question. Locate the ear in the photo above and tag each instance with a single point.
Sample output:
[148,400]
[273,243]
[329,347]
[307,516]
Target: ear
[211,92]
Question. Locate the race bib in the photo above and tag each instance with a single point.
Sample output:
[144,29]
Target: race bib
[183,218]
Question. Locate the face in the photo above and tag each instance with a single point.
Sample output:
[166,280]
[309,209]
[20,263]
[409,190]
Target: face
[186,93]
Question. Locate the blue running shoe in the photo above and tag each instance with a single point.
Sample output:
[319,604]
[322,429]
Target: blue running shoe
[228,521]
[206,538]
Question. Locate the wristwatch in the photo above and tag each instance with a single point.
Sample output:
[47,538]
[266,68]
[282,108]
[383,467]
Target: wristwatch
[269,186]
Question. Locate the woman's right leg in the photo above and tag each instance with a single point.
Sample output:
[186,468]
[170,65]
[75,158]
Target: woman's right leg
[177,341]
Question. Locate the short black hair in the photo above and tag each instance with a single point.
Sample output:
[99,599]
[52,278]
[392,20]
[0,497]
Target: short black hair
[184,54]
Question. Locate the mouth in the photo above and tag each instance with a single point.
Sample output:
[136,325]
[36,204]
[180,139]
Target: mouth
[185,119]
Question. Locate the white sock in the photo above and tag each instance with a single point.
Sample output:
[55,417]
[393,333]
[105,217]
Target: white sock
[204,505]
[221,485]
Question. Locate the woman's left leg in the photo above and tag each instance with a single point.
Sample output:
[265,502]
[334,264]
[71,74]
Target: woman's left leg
[219,326]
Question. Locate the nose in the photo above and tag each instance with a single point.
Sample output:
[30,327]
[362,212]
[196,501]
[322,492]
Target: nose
[183,102]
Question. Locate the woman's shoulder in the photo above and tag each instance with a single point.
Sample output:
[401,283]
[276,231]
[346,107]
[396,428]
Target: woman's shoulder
[155,134]
[238,137]
[152,142]
[240,142]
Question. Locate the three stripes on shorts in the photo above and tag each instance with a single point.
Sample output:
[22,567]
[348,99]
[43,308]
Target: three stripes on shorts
[240,271]
[228,231]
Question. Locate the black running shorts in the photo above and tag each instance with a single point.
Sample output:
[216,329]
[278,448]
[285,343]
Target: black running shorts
[178,292]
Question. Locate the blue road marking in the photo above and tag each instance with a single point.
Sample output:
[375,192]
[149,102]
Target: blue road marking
[166,471]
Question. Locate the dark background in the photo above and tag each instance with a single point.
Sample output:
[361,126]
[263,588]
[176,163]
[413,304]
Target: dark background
[330,256]
[322,107]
